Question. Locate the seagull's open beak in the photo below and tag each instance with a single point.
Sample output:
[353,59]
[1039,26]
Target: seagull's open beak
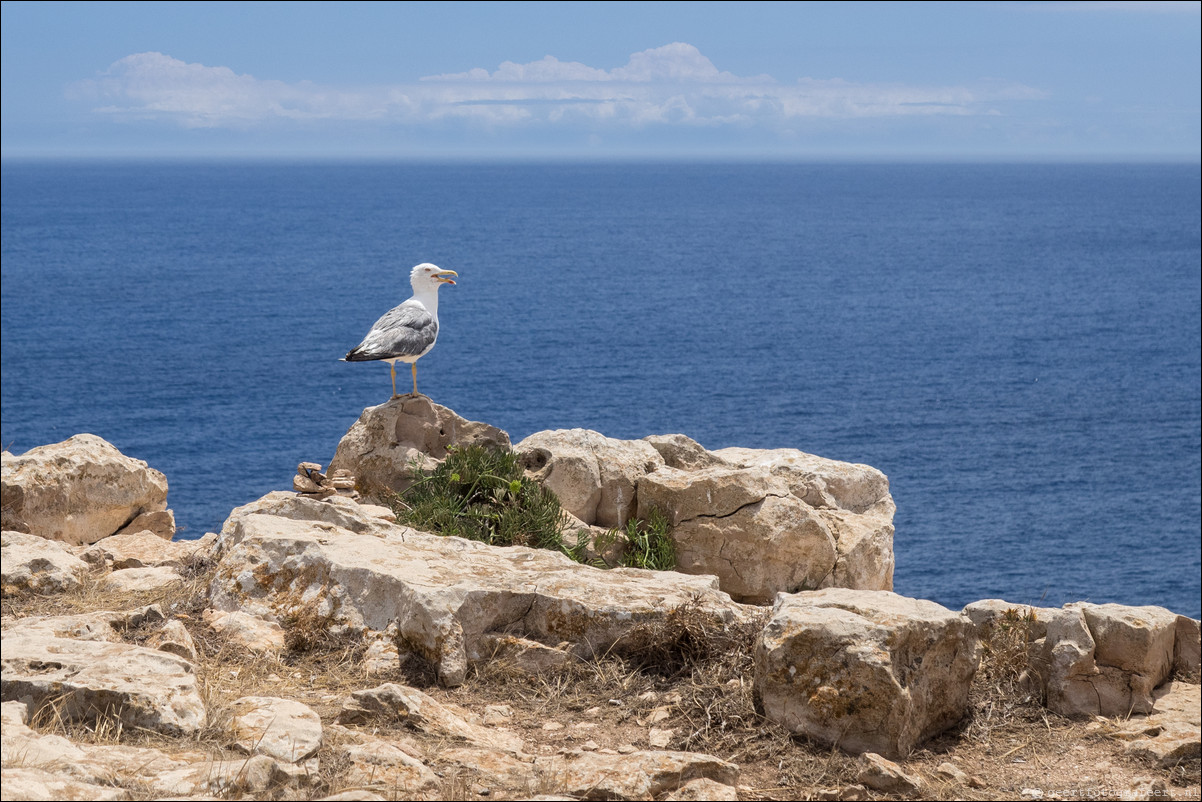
[443,277]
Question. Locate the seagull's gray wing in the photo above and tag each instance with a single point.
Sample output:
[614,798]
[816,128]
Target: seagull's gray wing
[405,330]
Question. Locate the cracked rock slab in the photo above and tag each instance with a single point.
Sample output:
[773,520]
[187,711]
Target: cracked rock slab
[867,671]
[91,679]
[442,594]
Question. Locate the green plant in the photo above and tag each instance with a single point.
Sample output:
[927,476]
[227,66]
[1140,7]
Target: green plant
[483,494]
[649,543]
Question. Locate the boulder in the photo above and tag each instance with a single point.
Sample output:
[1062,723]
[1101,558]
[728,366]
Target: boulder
[90,680]
[80,490]
[595,477]
[867,671]
[775,544]
[388,441]
[1096,659]
[30,563]
[443,594]
[763,522]
[280,728]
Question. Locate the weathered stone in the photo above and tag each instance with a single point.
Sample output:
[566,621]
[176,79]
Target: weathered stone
[175,639]
[527,656]
[1187,646]
[30,563]
[640,775]
[101,625]
[703,790]
[392,702]
[381,764]
[140,580]
[1094,659]
[91,679]
[595,477]
[714,492]
[303,484]
[381,448]
[679,451]
[21,784]
[140,549]
[247,631]
[160,523]
[865,670]
[952,773]
[443,594]
[886,776]
[1169,735]
[777,544]
[80,490]
[281,728]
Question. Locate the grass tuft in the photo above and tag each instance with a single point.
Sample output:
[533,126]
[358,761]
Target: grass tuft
[483,494]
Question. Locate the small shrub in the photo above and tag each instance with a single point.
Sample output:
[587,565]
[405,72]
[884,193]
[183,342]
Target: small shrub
[483,494]
[649,543]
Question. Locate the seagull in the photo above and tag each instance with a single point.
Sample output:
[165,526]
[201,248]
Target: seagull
[406,332]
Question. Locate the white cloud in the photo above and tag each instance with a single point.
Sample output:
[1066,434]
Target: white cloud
[670,85]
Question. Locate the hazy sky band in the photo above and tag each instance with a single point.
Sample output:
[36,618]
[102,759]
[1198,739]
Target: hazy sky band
[1011,80]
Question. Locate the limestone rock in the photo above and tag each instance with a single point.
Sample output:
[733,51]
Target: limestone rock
[444,594]
[380,448]
[136,580]
[776,544]
[640,775]
[1169,735]
[80,490]
[1096,659]
[160,523]
[248,631]
[30,563]
[382,764]
[281,728]
[175,639]
[1187,646]
[594,476]
[865,670]
[140,549]
[685,453]
[143,687]
[419,711]
[101,625]
[21,784]
[886,776]
[703,790]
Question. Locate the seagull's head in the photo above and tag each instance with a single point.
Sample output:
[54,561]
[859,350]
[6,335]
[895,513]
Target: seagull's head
[430,277]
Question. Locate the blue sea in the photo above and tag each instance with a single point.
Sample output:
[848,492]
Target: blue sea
[1016,346]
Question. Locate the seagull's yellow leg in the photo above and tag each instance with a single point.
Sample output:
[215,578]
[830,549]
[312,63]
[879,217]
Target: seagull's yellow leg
[413,365]
[392,367]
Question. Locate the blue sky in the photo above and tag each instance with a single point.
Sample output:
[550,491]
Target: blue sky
[1013,81]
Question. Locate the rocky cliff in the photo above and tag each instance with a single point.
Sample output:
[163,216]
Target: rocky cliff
[316,648]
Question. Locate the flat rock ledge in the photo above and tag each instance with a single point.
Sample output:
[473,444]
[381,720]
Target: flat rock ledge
[285,556]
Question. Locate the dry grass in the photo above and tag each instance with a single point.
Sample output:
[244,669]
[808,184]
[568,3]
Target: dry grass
[687,673]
